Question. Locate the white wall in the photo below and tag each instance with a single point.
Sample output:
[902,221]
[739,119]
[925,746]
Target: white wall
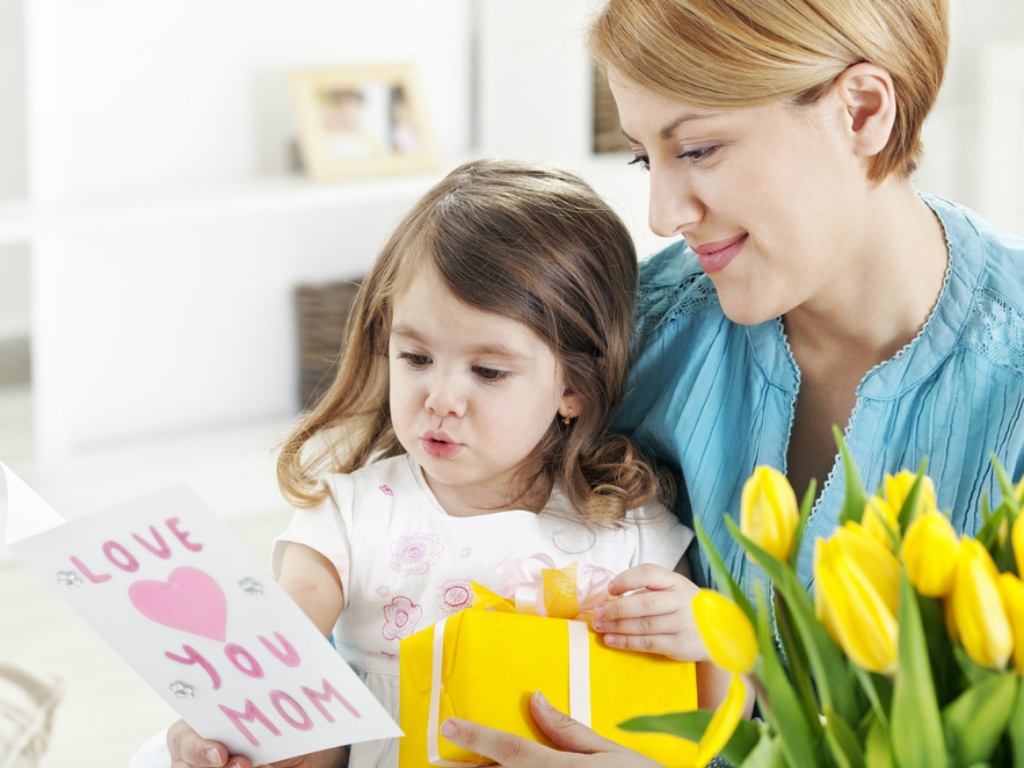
[195,89]
[186,320]
[13,132]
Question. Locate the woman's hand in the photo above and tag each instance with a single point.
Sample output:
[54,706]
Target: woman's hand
[589,750]
[657,618]
[190,750]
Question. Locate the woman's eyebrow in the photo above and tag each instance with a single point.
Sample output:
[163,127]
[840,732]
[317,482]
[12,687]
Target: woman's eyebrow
[668,130]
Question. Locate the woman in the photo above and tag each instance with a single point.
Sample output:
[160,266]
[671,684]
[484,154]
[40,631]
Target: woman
[815,287]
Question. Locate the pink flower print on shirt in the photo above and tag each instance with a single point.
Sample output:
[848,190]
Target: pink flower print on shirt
[413,555]
[400,618]
[383,590]
[466,552]
[453,595]
[386,491]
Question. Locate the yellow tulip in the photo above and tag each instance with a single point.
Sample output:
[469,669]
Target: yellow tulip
[878,564]
[898,488]
[930,552]
[768,512]
[1012,589]
[723,723]
[852,610]
[978,609]
[726,630]
[877,514]
[1017,540]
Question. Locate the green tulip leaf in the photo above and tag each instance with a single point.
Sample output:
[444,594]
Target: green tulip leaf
[940,649]
[842,741]
[906,516]
[723,579]
[856,499]
[691,725]
[973,671]
[877,752]
[916,732]
[767,754]
[878,689]
[976,720]
[782,707]
[1009,496]
[827,662]
[796,658]
[801,526]
[1015,729]
[988,534]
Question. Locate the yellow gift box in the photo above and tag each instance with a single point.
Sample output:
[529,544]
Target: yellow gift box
[493,660]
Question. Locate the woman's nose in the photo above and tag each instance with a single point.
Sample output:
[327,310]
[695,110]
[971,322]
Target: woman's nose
[674,206]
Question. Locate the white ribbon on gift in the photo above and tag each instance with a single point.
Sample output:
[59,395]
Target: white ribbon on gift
[528,590]
[579,687]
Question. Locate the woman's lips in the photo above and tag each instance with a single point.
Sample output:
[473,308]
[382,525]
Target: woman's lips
[440,449]
[714,257]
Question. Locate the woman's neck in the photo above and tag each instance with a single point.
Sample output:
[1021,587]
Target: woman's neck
[896,262]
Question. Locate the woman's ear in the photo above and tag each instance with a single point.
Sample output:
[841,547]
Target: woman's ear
[867,94]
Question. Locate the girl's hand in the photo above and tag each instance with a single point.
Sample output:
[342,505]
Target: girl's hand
[657,618]
[590,750]
[190,750]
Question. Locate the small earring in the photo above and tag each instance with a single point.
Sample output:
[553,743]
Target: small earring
[565,419]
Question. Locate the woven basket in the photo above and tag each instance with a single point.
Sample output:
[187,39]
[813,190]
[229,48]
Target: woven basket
[323,315]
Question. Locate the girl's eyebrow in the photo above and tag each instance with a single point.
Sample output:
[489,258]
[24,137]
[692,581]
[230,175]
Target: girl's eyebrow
[493,349]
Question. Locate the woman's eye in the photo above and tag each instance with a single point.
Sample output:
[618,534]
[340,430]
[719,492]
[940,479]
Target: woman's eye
[414,361]
[490,374]
[697,154]
[641,159]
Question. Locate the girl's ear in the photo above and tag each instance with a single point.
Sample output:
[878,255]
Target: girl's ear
[869,100]
[570,406]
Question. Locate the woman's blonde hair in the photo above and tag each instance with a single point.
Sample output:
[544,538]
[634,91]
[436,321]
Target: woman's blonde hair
[726,54]
[526,242]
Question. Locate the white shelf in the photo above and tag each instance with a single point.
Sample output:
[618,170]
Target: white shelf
[20,221]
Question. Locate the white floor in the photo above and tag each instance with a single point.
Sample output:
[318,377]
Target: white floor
[107,711]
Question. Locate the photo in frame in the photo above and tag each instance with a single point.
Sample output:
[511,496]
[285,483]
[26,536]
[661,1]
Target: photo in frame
[361,121]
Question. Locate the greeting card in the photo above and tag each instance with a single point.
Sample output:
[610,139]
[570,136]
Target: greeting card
[177,596]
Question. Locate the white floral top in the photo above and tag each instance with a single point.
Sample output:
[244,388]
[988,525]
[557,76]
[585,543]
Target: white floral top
[405,563]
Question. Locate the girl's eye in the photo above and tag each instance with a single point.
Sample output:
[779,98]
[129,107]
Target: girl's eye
[490,374]
[697,155]
[641,159]
[413,360]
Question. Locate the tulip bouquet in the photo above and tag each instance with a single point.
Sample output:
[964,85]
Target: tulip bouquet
[909,654]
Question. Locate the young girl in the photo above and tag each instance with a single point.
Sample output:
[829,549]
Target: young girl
[464,435]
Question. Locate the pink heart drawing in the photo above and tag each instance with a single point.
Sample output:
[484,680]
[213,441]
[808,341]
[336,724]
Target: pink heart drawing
[190,600]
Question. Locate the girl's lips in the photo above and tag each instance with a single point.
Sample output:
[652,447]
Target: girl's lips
[439,449]
[714,257]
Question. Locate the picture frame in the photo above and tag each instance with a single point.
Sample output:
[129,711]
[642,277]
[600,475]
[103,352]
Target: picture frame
[361,121]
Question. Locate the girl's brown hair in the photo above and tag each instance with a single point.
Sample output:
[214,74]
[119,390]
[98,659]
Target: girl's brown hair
[530,243]
[729,54]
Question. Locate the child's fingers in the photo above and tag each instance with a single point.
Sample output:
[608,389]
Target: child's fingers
[669,623]
[644,604]
[644,577]
[667,645]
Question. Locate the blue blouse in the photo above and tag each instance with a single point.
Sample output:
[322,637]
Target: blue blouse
[713,399]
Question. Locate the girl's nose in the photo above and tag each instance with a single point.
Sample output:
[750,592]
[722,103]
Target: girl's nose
[445,399]
[674,208]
